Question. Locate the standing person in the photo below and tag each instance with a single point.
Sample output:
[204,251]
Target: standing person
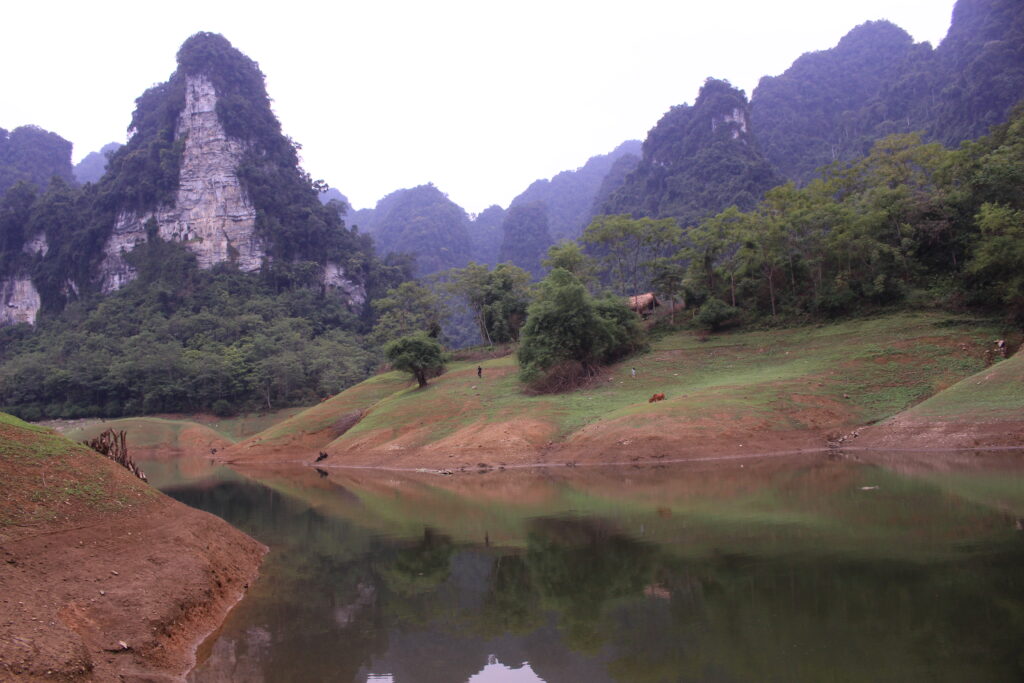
[633,371]
[479,371]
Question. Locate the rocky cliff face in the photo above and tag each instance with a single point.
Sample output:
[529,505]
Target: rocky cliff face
[20,301]
[19,298]
[212,214]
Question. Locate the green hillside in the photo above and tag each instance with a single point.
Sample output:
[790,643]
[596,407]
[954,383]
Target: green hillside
[746,390]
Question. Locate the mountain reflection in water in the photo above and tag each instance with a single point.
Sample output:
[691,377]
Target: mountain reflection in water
[800,570]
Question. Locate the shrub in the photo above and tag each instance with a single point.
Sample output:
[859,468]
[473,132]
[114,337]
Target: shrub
[715,314]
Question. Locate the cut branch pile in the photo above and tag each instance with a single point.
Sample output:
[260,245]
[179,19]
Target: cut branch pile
[114,445]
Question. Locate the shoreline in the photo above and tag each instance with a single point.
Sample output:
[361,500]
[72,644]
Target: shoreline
[133,597]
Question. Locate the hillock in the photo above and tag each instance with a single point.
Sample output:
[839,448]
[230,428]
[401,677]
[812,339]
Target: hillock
[734,394]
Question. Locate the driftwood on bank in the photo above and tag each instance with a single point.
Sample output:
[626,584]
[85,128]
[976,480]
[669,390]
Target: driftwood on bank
[114,445]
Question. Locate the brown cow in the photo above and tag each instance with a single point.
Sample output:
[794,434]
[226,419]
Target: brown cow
[656,397]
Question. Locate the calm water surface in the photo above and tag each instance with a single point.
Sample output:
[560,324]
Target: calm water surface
[807,569]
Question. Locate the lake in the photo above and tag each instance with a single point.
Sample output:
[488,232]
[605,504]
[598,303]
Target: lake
[814,568]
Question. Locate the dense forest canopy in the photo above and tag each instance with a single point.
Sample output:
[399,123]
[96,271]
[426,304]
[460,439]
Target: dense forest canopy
[698,160]
[422,222]
[182,339]
[32,155]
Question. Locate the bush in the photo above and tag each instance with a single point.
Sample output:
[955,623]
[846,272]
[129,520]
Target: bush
[716,314]
[569,335]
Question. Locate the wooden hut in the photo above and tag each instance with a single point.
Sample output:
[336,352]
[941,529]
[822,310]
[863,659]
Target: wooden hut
[644,304]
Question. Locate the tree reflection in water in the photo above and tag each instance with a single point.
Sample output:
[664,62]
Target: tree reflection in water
[576,597]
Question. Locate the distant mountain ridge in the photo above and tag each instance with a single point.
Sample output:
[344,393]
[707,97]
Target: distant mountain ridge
[33,155]
[833,104]
[696,161]
[92,167]
[569,196]
[829,106]
[422,222]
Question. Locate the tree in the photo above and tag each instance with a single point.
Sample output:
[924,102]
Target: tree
[416,353]
[714,314]
[629,246]
[407,309]
[568,333]
[570,256]
[497,298]
[997,267]
[668,279]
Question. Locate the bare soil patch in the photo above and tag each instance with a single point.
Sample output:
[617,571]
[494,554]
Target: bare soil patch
[102,577]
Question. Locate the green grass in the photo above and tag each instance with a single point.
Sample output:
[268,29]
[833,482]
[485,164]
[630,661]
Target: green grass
[45,476]
[996,392]
[871,369]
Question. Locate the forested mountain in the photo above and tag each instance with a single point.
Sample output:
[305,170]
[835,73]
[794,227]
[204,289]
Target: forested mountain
[820,109]
[526,237]
[207,165]
[569,196]
[833,104]
[91,168]
[33,155]
[829,106]
[486,234]
[981,61]
[422,222]
[614,179]
[696,161]
[200,272]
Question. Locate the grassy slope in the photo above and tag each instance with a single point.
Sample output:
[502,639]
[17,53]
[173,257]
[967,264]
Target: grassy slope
[733,387]
[315,427]
[995,393]
[47,479]
[985,409]
[153,436]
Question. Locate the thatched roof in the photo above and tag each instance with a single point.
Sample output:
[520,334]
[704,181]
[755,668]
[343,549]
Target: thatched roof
[643,302]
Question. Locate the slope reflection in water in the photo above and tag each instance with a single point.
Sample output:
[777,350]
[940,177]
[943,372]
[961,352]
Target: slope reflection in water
[496,672]
[798,570]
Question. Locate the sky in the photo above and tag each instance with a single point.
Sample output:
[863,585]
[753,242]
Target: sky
[479,97]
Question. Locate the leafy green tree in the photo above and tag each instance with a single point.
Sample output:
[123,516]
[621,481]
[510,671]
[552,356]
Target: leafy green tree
[408,308]
[669,279]
[714,314]
[566,328]
[497,298]
[629,247]
[569,256]
[417,354]
[997,265]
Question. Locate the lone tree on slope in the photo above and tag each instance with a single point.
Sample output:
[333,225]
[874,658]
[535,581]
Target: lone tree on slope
[417,354]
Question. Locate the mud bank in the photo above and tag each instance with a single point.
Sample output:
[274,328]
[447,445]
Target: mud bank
[102,577]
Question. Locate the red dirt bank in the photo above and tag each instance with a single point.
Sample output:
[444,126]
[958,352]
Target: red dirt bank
[101,577]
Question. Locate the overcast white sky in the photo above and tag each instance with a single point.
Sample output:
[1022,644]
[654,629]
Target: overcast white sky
[481,98]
